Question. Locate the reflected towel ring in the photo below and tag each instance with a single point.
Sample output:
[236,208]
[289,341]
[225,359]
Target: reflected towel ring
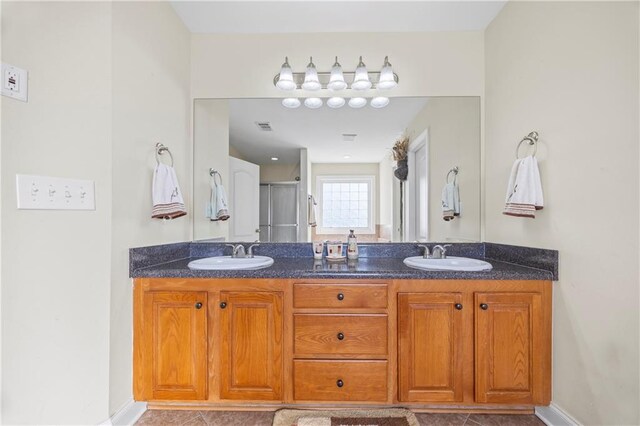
[213,174]
[455,174]
[160,150]
[532,139]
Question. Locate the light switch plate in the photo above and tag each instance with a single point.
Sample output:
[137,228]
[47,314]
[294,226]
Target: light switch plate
[51,193]
[14,82]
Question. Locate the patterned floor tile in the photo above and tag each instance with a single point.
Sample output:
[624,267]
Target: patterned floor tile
[169,418]
[238,418]
[441,419]
[503,420]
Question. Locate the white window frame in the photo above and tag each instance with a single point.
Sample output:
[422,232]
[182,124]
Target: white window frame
[368,179]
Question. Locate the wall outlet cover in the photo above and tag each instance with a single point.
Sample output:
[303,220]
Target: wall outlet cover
[14,82]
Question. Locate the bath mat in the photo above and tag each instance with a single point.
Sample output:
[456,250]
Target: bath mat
[385,417]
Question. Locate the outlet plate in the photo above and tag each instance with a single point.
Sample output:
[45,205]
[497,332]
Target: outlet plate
[14,82]
[51,193]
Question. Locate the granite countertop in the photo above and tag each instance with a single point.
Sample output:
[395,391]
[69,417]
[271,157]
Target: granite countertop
[377,261]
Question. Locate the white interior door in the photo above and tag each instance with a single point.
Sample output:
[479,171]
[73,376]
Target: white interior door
[244,200]
[416,213]
[421,206]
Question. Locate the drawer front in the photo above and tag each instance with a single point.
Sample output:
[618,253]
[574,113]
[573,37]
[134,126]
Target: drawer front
[339,296]
[321,380]
[326,334]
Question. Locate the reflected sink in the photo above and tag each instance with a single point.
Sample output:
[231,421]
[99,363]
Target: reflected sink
[226,263]
[451,263]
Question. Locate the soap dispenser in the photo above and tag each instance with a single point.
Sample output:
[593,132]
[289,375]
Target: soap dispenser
[352,245]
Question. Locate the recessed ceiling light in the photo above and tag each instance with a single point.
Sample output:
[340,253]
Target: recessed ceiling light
[349,137]
[346,157]
[274,158]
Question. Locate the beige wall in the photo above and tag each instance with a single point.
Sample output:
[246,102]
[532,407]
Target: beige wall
[56,264]
[453,125]
[386,190]
[570,71]
[279,172]
[233,152]
[429,64]
[211,150]
[150,104]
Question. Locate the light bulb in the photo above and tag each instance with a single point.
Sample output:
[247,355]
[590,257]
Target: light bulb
[335,102]
[313,103]
[387,79]
[379,102]
[311,81]
[291,102]
[357,102]
[336,81]
[285,78]
[361,80]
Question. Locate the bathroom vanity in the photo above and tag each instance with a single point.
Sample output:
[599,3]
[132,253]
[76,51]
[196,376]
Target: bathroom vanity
[367,333]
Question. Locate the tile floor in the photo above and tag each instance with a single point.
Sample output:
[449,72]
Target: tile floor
[264,418]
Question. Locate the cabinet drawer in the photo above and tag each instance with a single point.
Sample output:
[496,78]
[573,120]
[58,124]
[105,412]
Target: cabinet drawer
[320,380]
[326,334]
[339,295]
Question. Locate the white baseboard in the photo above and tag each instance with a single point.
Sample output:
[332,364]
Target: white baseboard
[555,416]
[127,415]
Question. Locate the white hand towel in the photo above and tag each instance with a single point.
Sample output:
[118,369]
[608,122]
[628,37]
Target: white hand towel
[450,201]
[312,213]
[210,208]
[166,195]
[222,206]
[524,190]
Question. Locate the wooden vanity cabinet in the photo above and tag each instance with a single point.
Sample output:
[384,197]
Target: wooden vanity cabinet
[430,347]
[424,344]
[251,348]
[172,327]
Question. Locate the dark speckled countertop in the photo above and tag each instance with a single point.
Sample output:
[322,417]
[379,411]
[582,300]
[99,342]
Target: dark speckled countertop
[377,260]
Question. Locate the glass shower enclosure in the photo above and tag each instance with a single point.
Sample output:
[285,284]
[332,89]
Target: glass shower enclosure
[279,212]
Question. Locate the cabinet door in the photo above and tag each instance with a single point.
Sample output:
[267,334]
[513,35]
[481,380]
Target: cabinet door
[430,347]
[512,346]
[251,345]
[175,345]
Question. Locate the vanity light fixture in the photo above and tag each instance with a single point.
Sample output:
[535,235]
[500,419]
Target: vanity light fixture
[379,102]
[336,80]
[313,103]
[274,158]
[335,102]
[357,102]
[291,102]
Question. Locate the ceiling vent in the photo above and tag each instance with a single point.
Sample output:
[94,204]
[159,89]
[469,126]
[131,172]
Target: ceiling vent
[265,126]
[349,137]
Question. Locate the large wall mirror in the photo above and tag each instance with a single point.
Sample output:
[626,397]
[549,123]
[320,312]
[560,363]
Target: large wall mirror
[282,168]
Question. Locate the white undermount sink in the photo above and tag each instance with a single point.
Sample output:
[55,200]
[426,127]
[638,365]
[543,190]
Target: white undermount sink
[451,263]
[226,263]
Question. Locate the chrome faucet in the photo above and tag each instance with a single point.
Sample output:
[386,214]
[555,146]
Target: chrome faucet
[440,252]
[427,253]
[238,250]
[250,250]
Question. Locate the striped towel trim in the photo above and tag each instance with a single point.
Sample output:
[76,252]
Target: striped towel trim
[168,211]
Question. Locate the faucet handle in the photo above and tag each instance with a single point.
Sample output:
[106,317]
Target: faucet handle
[427,253]
[442,251]
[250,250]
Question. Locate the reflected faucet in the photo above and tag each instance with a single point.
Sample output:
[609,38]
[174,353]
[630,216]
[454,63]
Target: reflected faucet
[238,250]
[440,252]
[427,253]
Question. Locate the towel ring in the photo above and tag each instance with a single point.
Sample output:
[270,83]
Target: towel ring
[160,150]
[455,174]
[532,139]
[213,174]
